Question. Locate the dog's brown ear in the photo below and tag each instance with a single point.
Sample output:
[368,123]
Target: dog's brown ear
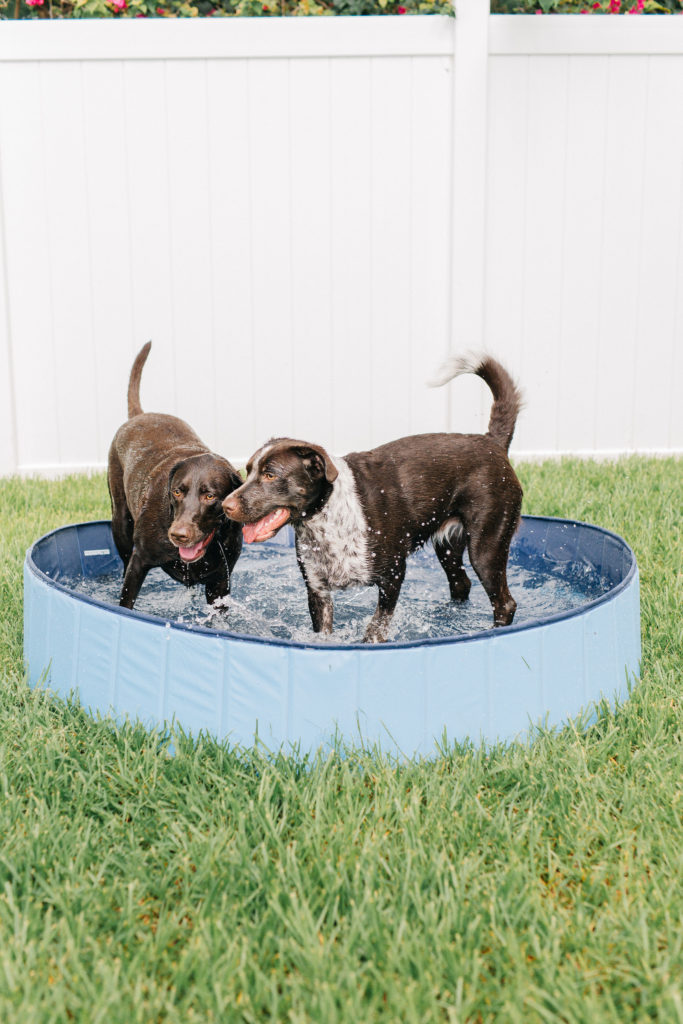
[231,480]
[315,456]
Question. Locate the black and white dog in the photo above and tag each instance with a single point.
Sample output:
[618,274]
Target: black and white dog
[357,518]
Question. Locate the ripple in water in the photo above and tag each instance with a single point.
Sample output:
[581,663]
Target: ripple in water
[268,599]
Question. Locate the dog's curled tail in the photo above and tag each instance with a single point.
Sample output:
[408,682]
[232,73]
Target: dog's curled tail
[507,398]
[134,407]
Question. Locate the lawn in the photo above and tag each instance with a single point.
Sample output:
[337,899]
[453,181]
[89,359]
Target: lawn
[521,883]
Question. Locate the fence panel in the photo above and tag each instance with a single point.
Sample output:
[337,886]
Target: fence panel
[585,227]
[304,215]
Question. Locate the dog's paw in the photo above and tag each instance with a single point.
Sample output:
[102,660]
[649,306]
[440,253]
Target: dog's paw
[374,635]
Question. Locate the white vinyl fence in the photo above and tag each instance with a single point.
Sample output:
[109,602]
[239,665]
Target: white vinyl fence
[305,215]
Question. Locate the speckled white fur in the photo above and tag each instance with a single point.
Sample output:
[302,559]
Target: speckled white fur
[333,544]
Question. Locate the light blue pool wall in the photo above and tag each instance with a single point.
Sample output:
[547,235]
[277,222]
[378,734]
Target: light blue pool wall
[403,698]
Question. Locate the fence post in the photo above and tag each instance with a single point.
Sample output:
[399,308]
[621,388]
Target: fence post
[8,435]
[468,220]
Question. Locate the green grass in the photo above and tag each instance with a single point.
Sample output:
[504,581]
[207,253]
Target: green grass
[528,883]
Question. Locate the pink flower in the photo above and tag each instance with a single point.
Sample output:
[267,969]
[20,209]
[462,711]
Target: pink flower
[596,6]
[161,12]
[401,10]
[614,6]
[35,3]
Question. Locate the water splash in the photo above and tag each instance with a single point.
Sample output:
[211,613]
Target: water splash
[268,599]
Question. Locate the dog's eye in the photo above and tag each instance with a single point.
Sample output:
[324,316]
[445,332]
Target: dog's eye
[269,476]
[209,497]
[177,493]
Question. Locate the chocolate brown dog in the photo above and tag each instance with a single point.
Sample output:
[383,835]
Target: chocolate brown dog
[357,518]
[166,489]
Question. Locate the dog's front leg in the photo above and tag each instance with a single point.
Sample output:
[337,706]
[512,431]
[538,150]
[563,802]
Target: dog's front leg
[321,608]
[220,585]
[217,588]
[133,578]
[377,629]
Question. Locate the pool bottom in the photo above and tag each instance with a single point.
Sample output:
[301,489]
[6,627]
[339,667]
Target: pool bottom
[404,697]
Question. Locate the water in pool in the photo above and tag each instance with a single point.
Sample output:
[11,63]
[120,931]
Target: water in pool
[268,599]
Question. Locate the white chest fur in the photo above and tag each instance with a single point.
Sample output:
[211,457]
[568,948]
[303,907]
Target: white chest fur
[333,544]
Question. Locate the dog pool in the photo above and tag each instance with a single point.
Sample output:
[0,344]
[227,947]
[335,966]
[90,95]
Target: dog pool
[258,670]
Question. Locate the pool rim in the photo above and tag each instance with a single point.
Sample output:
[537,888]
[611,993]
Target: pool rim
[392,645]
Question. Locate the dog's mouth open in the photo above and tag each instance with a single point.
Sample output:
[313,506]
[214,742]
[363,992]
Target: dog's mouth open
[197,550]
[264,529]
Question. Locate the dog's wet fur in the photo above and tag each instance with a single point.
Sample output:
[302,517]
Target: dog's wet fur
[166,489]
[356,519]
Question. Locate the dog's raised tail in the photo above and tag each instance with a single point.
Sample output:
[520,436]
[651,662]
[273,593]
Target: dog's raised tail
[134,407]
[507,398]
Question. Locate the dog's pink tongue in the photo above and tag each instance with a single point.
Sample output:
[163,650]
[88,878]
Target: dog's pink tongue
[266,527]
[188,554]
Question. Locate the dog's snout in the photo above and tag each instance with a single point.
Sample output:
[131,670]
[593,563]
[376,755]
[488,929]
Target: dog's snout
[179,533]
[230,505]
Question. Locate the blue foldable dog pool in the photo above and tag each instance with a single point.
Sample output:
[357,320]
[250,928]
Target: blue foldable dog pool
[290,689]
